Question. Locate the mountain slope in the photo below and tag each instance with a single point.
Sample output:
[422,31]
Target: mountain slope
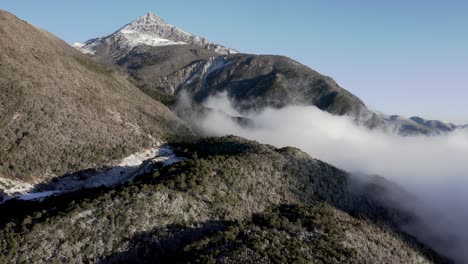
[258,81]
[60,112]
[254,82]
[163,69]
[232,201]
[168,68]
[150,49]
[151,66]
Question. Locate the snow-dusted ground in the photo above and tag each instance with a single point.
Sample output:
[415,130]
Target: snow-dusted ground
[83,48]
[39,196]
[135,38]
[130,39]
[126,170]
[11,187]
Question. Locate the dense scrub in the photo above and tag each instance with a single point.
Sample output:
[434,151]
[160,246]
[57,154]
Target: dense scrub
[283,234]
[233,200]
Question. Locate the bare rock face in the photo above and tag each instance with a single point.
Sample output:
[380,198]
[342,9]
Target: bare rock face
[61,112]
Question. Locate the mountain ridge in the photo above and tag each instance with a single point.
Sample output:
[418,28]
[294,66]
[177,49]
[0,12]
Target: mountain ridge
[162,71]
[232,200]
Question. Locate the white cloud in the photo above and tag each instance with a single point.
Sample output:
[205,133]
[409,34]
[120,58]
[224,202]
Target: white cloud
[434,168]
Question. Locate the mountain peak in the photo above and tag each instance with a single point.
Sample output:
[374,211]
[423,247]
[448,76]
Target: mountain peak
[146,23]
[151,17]
[150,14]
[150,30]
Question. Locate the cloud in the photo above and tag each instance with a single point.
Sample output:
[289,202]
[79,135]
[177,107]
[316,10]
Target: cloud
[434,168]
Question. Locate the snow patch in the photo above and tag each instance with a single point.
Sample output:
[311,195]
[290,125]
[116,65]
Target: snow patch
[135,38]
[124,171]
[39,196]
[86,49]
[216,64]
[150,30]
[172,160]
[12,187]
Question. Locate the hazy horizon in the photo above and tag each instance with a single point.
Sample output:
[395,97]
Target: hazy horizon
[399,58]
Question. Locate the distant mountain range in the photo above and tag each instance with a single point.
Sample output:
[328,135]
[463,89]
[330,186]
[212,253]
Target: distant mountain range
[417,125]
[164,60]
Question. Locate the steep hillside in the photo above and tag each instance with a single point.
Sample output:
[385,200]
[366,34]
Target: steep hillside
[258,81]
[60,112]
[232,201]
[157,70]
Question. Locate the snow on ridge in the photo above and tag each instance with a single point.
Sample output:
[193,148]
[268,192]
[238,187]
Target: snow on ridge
[124,171]
[84,48]
[39,196]
[153,31]
[135,38]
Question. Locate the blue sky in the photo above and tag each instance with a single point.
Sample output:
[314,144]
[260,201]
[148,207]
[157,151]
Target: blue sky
[400,57]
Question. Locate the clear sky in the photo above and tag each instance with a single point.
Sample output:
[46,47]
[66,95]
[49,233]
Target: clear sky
[406,57]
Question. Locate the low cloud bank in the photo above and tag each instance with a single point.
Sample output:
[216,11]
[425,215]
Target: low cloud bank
[433,168]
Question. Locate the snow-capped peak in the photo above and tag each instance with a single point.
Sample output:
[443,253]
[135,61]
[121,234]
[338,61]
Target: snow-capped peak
[146,24]
[151,16]
[152,25]
[150,30]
